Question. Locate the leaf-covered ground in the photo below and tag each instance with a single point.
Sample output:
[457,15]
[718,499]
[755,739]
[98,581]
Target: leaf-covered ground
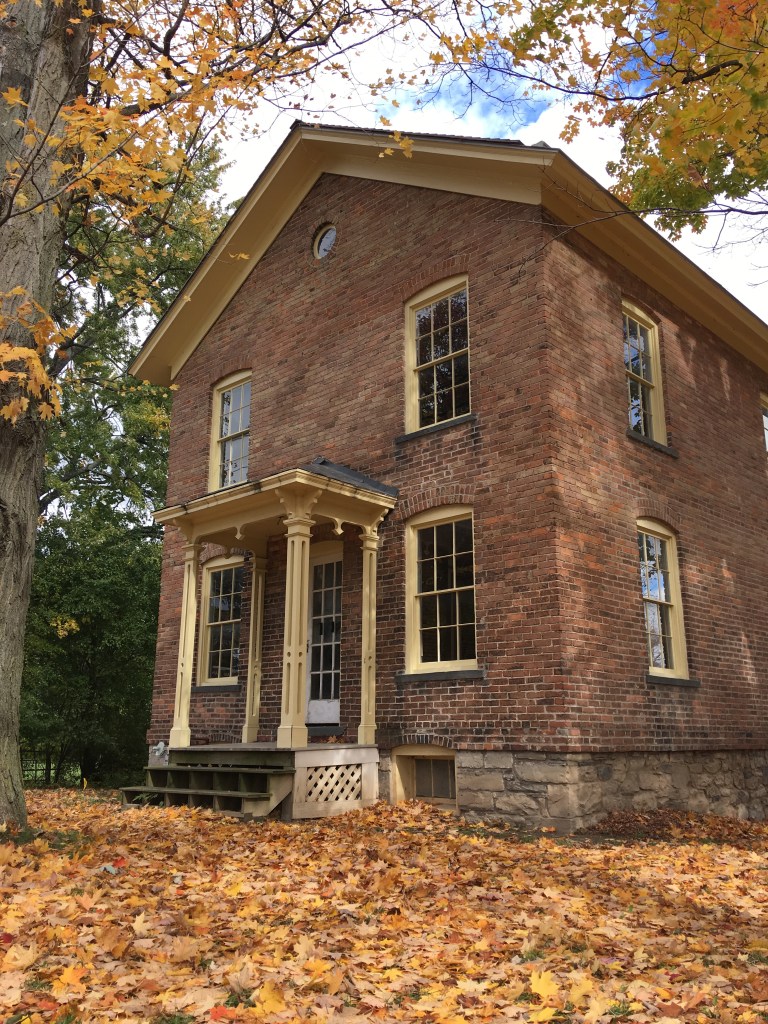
[395,914]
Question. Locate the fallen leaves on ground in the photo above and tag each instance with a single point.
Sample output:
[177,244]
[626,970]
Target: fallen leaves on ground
[394,914]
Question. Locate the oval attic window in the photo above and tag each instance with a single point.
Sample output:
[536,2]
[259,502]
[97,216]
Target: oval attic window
[325,240]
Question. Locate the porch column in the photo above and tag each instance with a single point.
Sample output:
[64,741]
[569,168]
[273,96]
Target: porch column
[366,732]
[292,731]
[180,734]
[253,692]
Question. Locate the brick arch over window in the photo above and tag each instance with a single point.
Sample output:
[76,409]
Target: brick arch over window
[644,307]
[421,739]
[662,512]
[434,497]
[211,551]
[432,275]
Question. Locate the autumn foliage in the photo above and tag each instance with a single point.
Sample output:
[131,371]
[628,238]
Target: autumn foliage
[394,914]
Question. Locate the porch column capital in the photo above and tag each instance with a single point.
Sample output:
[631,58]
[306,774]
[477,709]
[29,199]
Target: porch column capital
[180,732]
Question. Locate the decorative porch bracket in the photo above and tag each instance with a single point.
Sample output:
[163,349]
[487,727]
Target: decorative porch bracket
[180,734]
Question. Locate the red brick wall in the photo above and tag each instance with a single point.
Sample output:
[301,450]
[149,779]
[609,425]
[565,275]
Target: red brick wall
[555,483]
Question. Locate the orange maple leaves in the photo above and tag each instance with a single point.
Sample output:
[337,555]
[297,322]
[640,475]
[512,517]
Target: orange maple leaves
[393,914]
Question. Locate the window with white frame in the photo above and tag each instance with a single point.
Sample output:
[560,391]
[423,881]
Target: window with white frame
[437,356]
[642,368]
[662,601]
[764,404]
[231,432]
[440,577]
[222,609]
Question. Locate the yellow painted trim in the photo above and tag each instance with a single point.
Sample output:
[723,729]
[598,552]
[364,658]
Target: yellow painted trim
[658,414]
[215,565]
[529,175]
[438,290]
[255,637]
[403,769]
[430,517]
[214,459]
[679,668]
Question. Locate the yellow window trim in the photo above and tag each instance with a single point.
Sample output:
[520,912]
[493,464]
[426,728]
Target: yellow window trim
[431,517]
[658,417]
[679,669]
[439,290]
[215,565]
[214,462]
[402,777]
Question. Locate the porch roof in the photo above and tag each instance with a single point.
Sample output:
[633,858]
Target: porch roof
[246,514]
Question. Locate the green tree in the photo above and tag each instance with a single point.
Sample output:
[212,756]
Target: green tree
[686,85]
[90,647]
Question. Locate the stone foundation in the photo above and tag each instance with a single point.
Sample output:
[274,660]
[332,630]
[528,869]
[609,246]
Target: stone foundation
[572,791]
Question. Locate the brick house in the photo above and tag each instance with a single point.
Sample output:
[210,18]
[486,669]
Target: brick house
[467,498]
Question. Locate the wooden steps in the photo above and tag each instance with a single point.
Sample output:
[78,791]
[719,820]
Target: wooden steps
[240,789]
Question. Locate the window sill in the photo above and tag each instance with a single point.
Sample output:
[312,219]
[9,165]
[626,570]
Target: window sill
[438,676]
[216,687]
[469,417]
[654,680]
[665,448]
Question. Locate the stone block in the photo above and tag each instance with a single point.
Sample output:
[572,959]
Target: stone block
[476,800]
[520,805]
[472,781]
[503,759]
[542,771]
[469,759]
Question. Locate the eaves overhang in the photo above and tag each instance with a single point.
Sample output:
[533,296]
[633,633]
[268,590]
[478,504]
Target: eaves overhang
[498,169]
[248,513]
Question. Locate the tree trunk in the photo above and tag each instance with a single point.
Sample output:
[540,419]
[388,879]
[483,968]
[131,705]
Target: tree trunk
[44,56]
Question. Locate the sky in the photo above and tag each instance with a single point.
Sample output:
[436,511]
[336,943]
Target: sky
[735,264]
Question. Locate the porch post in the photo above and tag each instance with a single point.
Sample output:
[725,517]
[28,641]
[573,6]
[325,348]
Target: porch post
[366,732]
[292,731]
[180,734]
[253,693]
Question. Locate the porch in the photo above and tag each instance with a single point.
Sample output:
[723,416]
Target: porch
[254,780]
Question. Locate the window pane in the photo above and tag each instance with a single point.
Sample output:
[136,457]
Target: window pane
[428,607]
[463,534]
[423,777]
[466,606]
[444,574]
[423,350]
[459,305]
[446,608]
[424,321]
[461,400]
[467,642]
[429,645]
[443,406]
[442,343]
[444,539]
[448,646]
[459,336]
[440,314]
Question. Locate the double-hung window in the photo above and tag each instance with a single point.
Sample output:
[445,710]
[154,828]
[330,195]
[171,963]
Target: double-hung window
[764,405]
[642,369]
[231,432]
[441,591]
[437,357]
[662,602]
[222,604]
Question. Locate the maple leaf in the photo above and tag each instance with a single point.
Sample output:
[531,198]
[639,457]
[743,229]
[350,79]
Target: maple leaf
[544,986]
[270,998]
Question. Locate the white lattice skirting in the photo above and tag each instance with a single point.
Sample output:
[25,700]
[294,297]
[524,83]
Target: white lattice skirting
[330,780]
[337,782]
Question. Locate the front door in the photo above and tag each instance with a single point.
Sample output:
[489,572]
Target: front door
[324,668]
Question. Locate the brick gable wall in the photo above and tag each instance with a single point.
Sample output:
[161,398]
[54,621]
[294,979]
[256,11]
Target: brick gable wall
[555,484]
